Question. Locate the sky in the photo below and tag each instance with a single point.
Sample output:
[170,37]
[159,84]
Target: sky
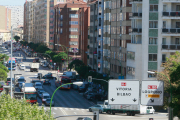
[12,2]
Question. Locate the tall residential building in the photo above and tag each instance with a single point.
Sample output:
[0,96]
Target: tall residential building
[120,25]
[95,36]
[17,13]
[5,18]
[71,28]
[42,10]
[155,36]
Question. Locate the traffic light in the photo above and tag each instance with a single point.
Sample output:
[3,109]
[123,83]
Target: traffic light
[62,60]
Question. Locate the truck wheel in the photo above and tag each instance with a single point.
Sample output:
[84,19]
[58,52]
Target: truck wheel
[128,113]
[108,112]
[113,112]
[132,114]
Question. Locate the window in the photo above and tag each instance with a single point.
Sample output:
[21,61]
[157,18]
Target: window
[61,23]
[151,75]
[152,40]
[113,17]
[73,36]
[130,55]
[152,57]
[130,70]
[164,8]
[153,24]
[163,57]
[61,30]
[113,30]
[153,7]
[164,24]
[164,41]
[73,22]
[73,15]
[61,17]
[177,7]
[177,24]
[73,43]
[73,29]
[177,41]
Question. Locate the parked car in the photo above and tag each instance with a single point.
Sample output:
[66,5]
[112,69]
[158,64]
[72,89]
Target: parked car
[96,108]
[45,96]
[39,92]
[48,75]
[47,102]
[46,82]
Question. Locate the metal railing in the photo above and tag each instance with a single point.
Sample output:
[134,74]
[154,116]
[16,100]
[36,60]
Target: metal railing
[138,30]
[135,14]
[171,30]
[171,14]
[135,0]
[171,47]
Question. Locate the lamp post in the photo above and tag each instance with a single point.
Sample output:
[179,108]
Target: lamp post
[75,83]
[170,111]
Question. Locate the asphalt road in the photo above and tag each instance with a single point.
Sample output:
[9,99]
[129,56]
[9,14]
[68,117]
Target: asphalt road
[70,102]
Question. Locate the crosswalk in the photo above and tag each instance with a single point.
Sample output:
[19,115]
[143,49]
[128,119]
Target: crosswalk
[65,109]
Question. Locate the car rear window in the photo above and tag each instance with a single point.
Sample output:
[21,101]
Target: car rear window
[46,97]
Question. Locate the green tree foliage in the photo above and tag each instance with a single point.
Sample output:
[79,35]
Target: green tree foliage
[42,48]
[57,58]
[82,71]
[2,56]
[3,75]
[172,70]
[24,43]
[75,63]
[4,68]
[51,53]
[91,73]
[17,38]
[12,109]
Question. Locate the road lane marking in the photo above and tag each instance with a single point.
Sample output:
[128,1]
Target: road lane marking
[71,108]
[74,112]
[77,109]
[65,108]
[63,111]
[55,108]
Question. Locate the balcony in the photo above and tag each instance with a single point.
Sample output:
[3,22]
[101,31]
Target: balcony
[169,1]
[171,31]
[135,15]
[135,31]
[171,47]
[171,15]
[135,1]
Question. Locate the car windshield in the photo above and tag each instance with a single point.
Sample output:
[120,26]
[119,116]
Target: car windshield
[49,99]
[45,97]
[38,84]
[20,80]
[41,92]
[31,96]
[66,81]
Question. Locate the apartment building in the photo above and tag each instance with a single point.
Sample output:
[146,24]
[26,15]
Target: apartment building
[16,15]
[71,21]
[5,18]
[155,36]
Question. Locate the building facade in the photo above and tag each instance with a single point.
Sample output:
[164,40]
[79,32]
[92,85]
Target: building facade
[5,18]
[17,13]
[95,35]
[71,21]
[155,36]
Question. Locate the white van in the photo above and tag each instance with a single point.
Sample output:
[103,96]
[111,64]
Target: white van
[146,109]
[69,73]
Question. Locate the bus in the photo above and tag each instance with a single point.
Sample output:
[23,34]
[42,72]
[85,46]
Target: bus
[63,80]
[13,65]
[30,94]
[13,59]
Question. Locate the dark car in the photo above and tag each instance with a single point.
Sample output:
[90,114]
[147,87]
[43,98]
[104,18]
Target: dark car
[47,102]
[99,97]
[87,93]
[36,80]
[49,75]
[47,82]
[37,59]
[6,47]
[39,92]
[83,88]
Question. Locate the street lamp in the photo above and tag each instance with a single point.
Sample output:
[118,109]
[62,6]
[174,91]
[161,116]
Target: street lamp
[75,83]
[170,111]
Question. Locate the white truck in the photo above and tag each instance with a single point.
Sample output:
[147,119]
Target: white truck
[34,67]
[26,85]
[130,110]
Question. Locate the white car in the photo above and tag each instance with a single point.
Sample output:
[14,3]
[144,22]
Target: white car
[22,67]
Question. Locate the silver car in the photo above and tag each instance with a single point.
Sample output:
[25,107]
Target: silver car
[48,101]
[96,108]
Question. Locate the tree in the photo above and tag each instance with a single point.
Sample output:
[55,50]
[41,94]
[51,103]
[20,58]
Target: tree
[3,57]
[51,53]
[82,71]
[13,109]
[172,70]
[16,38]
[42,48]
[4,68]
[75,63]
[3,75]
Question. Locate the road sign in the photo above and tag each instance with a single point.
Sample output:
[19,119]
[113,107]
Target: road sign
[152,92]
[123,92]
[18,95]
[89,78]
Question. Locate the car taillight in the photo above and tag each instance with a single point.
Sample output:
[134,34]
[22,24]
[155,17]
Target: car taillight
[44,81]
